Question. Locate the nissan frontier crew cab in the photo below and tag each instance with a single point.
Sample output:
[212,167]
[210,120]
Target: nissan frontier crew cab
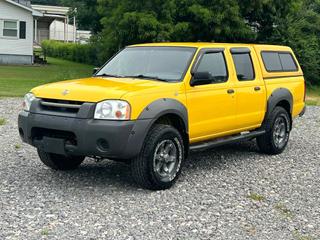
[151,104]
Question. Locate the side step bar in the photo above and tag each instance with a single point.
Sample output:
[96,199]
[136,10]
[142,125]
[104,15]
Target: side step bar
[222,141]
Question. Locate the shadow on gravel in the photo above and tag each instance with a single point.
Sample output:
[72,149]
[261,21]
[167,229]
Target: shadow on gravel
[117,176]
[219,156]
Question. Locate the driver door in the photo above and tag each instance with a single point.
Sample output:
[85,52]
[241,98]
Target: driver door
[211,106]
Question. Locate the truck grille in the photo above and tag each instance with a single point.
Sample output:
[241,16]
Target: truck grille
[62,106]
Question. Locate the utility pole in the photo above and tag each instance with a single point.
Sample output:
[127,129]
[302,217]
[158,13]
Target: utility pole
[74,25]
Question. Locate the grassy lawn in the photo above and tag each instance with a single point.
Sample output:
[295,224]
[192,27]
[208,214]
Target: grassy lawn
[313,96]
[15,81]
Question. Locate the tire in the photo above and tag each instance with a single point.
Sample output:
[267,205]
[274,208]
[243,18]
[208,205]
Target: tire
[277,126]
[160,161]
[60,162]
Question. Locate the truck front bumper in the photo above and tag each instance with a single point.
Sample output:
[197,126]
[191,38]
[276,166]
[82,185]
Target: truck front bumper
[83,137]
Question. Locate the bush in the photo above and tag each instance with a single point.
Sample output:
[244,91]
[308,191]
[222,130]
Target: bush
[82,53]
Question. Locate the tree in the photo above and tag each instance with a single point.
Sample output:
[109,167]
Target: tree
[86,14]
[117,23]
[264,15]
[300,29]
[128,22]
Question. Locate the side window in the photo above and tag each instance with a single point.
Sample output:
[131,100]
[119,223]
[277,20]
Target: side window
[244,66]
[215,64]
[272,61]
[287,62]
[279,62]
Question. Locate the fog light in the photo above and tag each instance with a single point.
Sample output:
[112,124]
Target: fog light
[103,145]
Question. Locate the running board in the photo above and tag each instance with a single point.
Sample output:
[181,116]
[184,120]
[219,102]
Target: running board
[222,141]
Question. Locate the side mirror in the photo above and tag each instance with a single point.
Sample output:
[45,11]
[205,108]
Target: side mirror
[200,78]
[95,70]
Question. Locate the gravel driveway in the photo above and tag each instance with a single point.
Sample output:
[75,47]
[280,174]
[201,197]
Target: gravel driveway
[228,193]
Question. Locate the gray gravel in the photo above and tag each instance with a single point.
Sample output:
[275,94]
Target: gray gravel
[228,193]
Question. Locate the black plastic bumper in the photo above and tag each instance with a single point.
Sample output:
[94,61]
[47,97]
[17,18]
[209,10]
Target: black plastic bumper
[106,139]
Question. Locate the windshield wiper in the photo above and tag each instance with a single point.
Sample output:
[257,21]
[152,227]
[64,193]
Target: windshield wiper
[141,76]
[108,75]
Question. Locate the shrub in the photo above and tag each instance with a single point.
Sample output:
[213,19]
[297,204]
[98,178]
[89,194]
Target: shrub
[82,53]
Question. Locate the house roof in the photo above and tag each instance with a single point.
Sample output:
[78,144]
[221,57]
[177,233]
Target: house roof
[52,10]
[34,12]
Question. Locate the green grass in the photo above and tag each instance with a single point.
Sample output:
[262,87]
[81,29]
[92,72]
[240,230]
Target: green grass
[2,121]
[299,236]
[17,146]
[313,96]
[256,197]
[45,232]
[284,211]
[15,81]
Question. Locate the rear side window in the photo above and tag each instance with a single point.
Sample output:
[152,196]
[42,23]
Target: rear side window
[215,64]
[279,62]
[244,66]
[287,62]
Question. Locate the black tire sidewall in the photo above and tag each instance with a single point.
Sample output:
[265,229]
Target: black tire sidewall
[60,162]
[167,133]
[266,142]
[284,115]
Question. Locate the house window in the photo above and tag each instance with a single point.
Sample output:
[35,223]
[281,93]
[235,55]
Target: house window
[10,28]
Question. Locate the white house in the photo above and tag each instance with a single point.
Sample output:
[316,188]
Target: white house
[24,26]
[16,32]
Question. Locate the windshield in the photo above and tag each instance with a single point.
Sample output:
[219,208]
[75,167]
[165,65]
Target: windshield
[158,63]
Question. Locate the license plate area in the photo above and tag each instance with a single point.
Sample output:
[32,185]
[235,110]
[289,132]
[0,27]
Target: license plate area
[51,145]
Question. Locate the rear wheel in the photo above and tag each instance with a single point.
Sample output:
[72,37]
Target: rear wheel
[159,163]
[60,162]
[277,127]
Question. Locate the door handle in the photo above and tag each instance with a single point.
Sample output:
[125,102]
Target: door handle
[257,89]
[230,91]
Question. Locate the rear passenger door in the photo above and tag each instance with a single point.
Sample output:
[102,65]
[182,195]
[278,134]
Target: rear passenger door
[211,106]
[250,89]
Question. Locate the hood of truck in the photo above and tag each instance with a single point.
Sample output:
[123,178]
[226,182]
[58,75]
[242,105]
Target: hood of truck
[95,89]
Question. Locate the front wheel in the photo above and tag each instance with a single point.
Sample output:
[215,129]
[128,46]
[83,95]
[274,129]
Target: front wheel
[159,163]
[60,162]
[277,127]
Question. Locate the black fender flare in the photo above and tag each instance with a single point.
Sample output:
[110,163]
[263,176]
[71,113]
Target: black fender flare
[165,106]
[150,115]
[278,95]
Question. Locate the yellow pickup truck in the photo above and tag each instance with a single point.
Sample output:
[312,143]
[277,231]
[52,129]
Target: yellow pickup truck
[151,104]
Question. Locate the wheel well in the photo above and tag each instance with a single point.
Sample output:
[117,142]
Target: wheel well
[177,122]
[286,105]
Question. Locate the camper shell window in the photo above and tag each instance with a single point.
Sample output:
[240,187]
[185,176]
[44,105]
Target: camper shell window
[279,61]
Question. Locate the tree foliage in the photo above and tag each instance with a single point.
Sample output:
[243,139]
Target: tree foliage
[300,29]
[292,22]
[86,14]
[118,23]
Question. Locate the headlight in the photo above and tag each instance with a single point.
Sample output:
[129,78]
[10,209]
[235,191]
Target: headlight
[112,110]
[28,98]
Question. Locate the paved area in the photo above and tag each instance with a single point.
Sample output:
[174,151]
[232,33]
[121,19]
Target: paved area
[232,192]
